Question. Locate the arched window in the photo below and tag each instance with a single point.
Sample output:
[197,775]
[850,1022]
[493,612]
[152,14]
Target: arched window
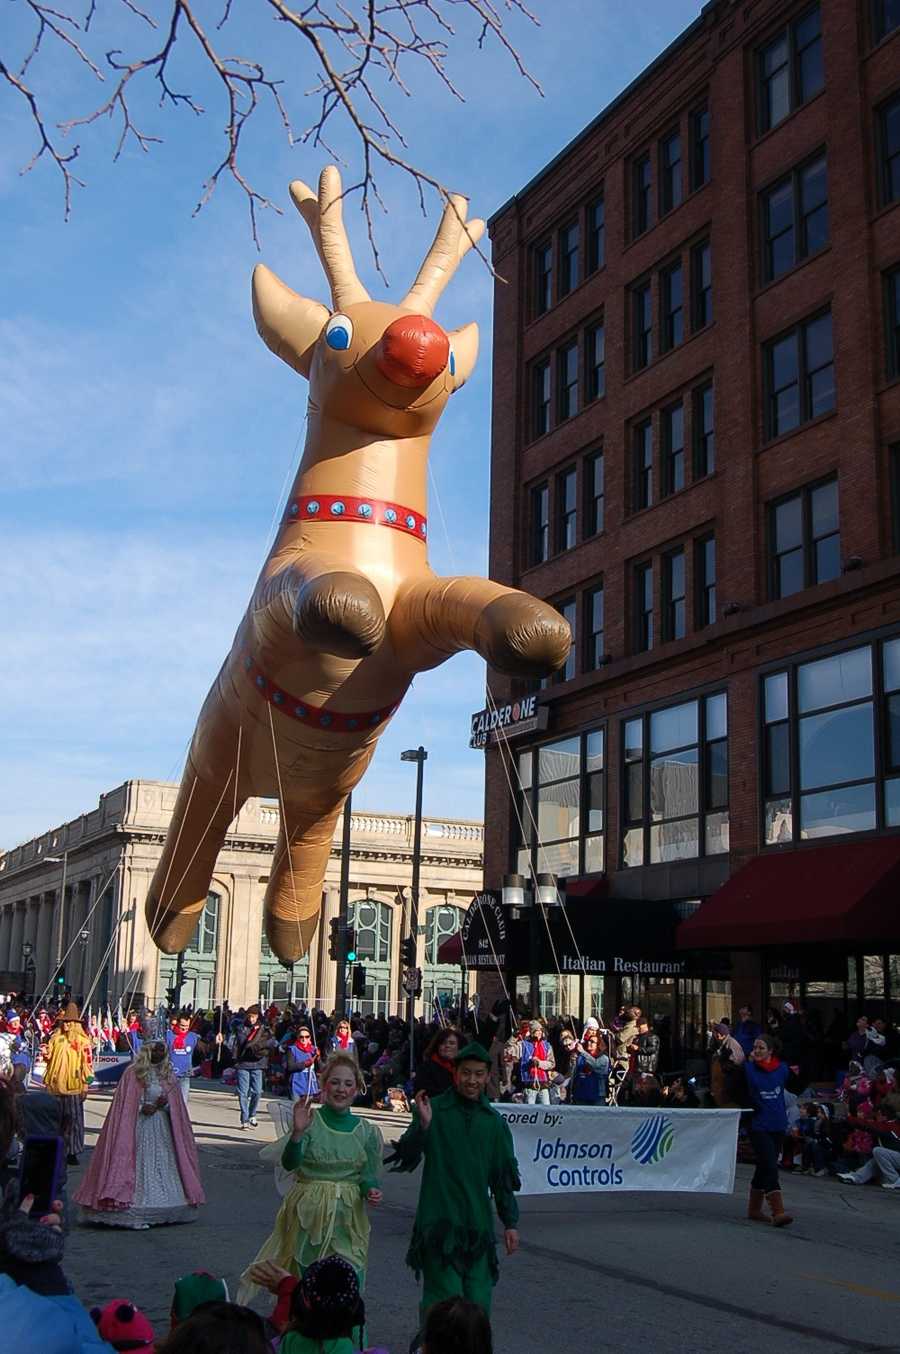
[372,922]
[206,936]
[440,923]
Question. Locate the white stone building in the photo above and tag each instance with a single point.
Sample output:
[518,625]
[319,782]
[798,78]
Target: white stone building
[101,865]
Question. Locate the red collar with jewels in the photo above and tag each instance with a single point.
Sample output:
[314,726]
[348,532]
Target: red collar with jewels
[348,508]
[313,716]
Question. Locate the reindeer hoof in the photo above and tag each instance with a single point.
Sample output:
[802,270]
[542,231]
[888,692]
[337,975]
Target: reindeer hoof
[522,637]
[340,613]
[171,931]
[290,939]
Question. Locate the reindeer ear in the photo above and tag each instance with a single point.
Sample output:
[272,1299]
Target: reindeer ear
[464,348]
[288,324]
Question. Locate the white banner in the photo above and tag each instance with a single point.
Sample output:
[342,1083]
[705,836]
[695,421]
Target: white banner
[566,1148]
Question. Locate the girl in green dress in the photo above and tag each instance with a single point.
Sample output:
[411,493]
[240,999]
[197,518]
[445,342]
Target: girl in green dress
[335,1158]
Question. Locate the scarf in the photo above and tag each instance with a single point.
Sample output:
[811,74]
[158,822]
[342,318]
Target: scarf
[343,1040]
[305,1045]
[769,1064]
[447,1065]
[539,1073]
[179,1038]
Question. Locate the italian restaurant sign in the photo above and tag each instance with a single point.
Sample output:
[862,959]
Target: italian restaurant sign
[508,721]
[484,933]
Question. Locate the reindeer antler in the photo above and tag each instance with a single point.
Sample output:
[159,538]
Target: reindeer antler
[323,213]
[452,242]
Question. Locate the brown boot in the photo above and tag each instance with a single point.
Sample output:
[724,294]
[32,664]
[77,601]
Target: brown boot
[755,1207]
[776,1203]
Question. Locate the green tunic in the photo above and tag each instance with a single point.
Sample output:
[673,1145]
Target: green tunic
[335,1164]
[469,1157]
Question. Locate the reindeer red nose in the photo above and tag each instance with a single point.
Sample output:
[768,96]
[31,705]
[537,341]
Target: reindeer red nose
[413,351]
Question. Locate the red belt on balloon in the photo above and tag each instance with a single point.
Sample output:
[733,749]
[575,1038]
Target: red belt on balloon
[314,716]
[348,508]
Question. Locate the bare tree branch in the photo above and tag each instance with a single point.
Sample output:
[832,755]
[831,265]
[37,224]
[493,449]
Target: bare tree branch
[360,52]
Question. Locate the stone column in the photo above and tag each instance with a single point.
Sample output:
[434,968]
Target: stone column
[18,935]
[326,984]
[6,924]
[43,956]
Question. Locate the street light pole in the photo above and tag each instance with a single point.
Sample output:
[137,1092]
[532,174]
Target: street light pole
[419,756]
[340,994]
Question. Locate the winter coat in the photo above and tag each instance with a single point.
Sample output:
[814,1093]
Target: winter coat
[767,1096]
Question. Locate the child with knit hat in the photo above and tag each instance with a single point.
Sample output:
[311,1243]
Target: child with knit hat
[327,1312]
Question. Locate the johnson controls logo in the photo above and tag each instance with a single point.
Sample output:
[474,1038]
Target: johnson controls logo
[653,1140]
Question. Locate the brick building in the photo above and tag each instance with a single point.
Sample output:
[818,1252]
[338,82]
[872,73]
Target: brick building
[696,457]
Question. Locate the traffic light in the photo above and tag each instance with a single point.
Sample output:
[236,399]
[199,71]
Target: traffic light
[359,981]
[334,942]
[408,951]
[60,980]
[350,945]
[172,995]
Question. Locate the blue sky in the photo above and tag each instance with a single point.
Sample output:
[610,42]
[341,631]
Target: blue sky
[147,435]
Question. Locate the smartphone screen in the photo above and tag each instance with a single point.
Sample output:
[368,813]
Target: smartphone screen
[39,1172]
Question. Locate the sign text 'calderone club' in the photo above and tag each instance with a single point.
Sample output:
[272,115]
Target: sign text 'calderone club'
[484,932]
[510,721]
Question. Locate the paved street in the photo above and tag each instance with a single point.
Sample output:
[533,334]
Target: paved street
[662,1274]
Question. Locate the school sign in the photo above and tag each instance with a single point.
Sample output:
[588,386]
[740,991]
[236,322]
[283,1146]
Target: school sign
[566,1148]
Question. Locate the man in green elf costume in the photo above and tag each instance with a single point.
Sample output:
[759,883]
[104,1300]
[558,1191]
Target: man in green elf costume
[469,1156]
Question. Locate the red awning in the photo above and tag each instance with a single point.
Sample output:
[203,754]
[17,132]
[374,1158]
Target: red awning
[450,951]
[823,894]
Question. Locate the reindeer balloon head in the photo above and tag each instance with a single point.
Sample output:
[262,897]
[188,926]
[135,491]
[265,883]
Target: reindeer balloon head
[347,609]
[388,368]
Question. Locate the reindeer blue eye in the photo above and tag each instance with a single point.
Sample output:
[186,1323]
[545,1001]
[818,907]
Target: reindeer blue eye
[339,332]
[452,362]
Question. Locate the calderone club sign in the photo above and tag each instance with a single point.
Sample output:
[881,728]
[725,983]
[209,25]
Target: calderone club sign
[510,721]
[485,932]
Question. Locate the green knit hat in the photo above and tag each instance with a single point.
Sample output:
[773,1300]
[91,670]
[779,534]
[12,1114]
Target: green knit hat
[192,1289]
[472,1053]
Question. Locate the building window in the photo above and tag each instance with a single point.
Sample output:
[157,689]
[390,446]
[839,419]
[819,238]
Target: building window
[894,472]
[675,783]
[569,613]
[440,924]
[593,628]
[889,145]
[892,317]
[704,431]
[705,581]
[804,539]
[831,745]
[567,368]
[670,192]
[701,285]
[642,319]
[372,923]
[561,807]
[596,361]
[885,18]
[643,607]
[542,261]
[641,180]
[790,69]
[596,242]
[672,420]
[674,610]
[799,370]
[795,218]
[568,259]
[206,932]
[540,398]
[643,465]
[593,494]
[540,524]
[672,301]
[566,509]
[700,165]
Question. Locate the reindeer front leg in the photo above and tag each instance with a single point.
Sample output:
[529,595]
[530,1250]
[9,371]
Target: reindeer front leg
[330,608]
[433,618]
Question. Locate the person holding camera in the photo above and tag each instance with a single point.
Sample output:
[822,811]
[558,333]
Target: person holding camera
[253,1042]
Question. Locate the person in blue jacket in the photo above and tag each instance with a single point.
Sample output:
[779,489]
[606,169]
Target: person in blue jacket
[302,1055]
[181,1042]
[766,1076]
[590,1079]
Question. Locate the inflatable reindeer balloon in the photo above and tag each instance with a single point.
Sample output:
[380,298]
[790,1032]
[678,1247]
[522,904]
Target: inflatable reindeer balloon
[346,610]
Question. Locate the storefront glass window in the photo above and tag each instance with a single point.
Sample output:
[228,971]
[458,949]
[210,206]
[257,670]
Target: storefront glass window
[873,976]
[561,806]
[675,777]
[824,738]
